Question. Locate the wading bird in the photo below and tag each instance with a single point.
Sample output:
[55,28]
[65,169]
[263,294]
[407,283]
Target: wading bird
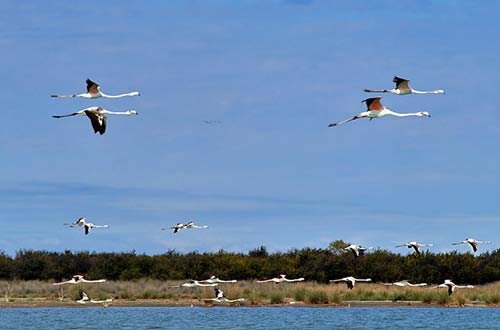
[214,279]
[402,88]
[375,109]
[86,225]
[181,226]
[220,297]
[452,286]
[473,243]
[94,92]
[98,117]
[281,279]
[351,281]
[193,284]
[414,245]
[357,250]
[405,283]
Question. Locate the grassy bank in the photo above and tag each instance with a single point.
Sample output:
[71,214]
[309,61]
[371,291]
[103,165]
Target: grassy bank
[161,293]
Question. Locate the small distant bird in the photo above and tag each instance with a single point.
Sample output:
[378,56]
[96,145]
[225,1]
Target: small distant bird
[94,92]
[77,279]
[181,226]
[351,281]
[214,279]
[473,243]
[452,286]
[405,283]
[220,297]
[357,250]
[86,225]
[375,109]
[402,88]
[414,245]
[282,278]
[193,284]
[97,116]
[212,122]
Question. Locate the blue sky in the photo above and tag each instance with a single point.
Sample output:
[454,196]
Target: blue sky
[275,73]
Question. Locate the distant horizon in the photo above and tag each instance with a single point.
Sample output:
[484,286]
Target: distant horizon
[403,252]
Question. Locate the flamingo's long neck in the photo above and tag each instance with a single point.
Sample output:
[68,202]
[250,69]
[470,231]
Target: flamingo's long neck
[119,113]
[438,91]
[397,114]
[119,95]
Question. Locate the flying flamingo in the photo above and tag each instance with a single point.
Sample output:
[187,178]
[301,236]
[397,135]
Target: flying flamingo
[214,279]
[402,88]
[193,284]
[77,279]
[414,245]
[473,243]
[357,250]
[281,279]
[405,283]
[377,110]
[351,281]
[220,297]
[87,225]
[97,116]
[84,298]
[94,92]
[181,226]
[452,286]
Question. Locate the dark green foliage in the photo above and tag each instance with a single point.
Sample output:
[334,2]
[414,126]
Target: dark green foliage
[318,265]
[277,298]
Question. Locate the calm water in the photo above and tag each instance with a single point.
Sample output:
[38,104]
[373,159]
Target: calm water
[249,318]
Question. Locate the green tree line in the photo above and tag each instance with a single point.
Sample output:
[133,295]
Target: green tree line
[313,264]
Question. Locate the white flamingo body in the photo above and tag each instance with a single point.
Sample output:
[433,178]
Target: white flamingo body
[452,286]
[98,117]
[377,110]
[403,88]
[357,250]
[214,279]
[180,226]
[414,245]
[86,225]
[473,243]
[405,283]
[84,298]
[282,278]
[351,281]
[94,92]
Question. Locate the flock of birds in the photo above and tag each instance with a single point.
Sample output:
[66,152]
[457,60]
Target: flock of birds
[375,109]
[214,282]
[97,115]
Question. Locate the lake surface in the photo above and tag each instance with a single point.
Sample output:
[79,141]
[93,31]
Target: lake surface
[249,318]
